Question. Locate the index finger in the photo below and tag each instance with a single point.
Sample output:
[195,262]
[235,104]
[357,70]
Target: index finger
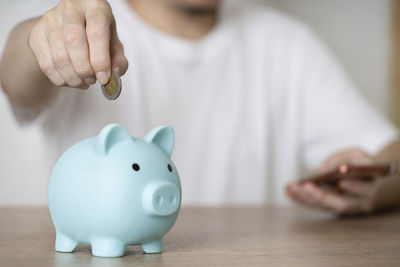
[98,22]
[76,42]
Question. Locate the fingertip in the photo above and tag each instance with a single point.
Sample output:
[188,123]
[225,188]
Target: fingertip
[102,77]
[293,187]
[90,80]
[289,190]
[124,67]
[120,66]
[57,80]
[313,190]
[84,87]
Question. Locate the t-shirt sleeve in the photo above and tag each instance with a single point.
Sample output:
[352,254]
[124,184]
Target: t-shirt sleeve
[27,118]
[335,115]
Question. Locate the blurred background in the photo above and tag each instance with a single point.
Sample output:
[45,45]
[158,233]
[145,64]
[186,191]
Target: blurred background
[361,33]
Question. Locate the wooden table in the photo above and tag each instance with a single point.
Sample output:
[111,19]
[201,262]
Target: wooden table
[263,236]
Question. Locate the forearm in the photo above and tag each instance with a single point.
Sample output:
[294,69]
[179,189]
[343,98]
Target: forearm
[20,75]
[389,195]
[390,152]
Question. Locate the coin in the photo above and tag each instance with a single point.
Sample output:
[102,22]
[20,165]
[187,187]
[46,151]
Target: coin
[112,89]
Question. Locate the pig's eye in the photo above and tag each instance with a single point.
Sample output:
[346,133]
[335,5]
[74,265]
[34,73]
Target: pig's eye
[135,167]
[169,168]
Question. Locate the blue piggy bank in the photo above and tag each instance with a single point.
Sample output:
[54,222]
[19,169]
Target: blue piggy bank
[113,190]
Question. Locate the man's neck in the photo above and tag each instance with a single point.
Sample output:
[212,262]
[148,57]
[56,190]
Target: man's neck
[174,19]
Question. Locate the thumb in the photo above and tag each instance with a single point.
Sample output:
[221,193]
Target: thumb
[119,63]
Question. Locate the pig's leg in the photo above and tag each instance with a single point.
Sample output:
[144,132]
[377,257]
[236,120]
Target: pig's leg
[64,243]
[154,246]
[107,247]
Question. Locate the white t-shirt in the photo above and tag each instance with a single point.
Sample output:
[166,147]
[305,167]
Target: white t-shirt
[253,104]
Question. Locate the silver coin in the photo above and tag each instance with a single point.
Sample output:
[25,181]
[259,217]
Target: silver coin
[112,89]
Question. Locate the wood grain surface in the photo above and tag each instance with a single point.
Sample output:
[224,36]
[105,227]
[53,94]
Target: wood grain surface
[254,236]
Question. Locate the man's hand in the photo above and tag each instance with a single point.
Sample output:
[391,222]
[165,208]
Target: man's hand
[76,43]
[357,197]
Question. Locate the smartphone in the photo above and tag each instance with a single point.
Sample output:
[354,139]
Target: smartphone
[348,171]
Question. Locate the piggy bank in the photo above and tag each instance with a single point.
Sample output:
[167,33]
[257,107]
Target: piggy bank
[112,190]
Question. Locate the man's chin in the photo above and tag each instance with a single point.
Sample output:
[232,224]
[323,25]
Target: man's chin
[197,6]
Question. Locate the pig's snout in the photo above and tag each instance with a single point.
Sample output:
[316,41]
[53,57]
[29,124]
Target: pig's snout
[161,198]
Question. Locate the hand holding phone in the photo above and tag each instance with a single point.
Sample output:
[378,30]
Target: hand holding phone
[347,171]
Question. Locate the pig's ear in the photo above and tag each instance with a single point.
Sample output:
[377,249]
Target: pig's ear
[163,137]
[109,136]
